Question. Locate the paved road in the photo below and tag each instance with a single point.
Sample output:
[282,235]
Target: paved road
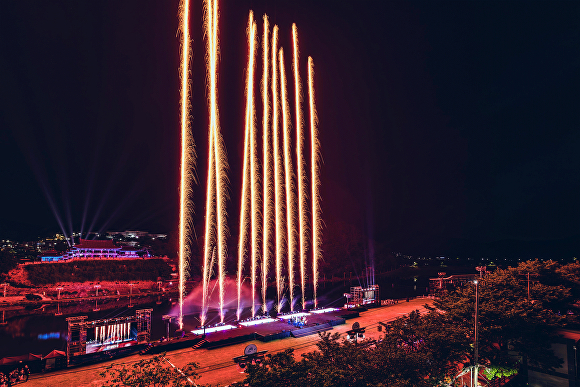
[216,365]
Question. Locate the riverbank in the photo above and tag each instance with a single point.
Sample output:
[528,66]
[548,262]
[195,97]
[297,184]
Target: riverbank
[216,365]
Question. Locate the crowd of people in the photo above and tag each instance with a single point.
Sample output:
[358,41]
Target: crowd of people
[17,375]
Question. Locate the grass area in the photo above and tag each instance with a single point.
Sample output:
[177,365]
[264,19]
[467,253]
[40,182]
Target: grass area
[98,270]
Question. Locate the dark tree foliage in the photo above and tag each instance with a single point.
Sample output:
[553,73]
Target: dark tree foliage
[154,372]
[8,261]
[98,270]
[509,324]
[418,350]
[429,349]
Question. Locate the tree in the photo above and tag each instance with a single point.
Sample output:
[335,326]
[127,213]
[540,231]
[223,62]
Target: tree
[509,324]
[150,372]
[8,261]
[418,350]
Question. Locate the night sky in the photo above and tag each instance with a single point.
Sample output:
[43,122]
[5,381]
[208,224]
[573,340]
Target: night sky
[442,123]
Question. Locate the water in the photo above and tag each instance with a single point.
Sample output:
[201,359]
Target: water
[39,331]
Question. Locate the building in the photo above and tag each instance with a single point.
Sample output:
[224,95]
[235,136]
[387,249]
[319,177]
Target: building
[51,256]
[440,285]
[566,375]
[93,249]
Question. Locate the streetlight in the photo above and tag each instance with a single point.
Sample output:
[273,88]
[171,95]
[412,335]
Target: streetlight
[58,312]
[475,347]
[167,318]
[5,284]
[130,296]
[96,298]
[59,289]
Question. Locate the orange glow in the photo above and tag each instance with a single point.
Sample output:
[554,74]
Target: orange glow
[245,187]
[290,206]
[255,224]
[267,183]
[217,171]
[278,182]
[315,165]
[187,157]
[302,226]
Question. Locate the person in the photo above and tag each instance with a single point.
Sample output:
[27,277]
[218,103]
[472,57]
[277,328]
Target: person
[4,380]
[26,372]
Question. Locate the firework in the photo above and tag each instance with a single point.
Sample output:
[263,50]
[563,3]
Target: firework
[301,175]
[267,184]
[217,171]
[278,191]
[290,206]
[315,179]
[187,157]
[245,187]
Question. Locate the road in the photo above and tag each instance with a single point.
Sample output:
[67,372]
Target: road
[216,365]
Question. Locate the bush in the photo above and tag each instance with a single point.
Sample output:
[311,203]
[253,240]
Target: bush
[98,270]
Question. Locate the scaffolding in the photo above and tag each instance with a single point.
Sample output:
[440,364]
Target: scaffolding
[363,296]
[78,326]
[143,317]
[76,342]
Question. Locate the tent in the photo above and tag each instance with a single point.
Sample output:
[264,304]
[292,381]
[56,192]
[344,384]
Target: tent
[34,362]
[54,361]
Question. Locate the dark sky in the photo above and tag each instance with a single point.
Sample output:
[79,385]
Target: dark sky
[439,121]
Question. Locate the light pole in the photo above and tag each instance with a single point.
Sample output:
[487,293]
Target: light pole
[475,346]
[167,318]
[5,284]
[58,313]
[528,286]
[130,296]
[96,298]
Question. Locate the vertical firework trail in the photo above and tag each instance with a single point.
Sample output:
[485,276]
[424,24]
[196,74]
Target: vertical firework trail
[267,183]
[187,157]
[221,169]
[209,234]
[315,180]
[302,227]
[249,121]
[255,198]
[217,151]
[290,209]
[210,194]
[279,215]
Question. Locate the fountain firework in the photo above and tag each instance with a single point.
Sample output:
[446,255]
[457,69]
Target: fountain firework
[249,123]
[274,209]
[187,158]
[315,180]
[290,203]
[278,191]
[302,226]
[255,209]
[217,179]
[267,183]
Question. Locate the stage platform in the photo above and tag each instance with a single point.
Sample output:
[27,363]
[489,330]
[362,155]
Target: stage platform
[276,330]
